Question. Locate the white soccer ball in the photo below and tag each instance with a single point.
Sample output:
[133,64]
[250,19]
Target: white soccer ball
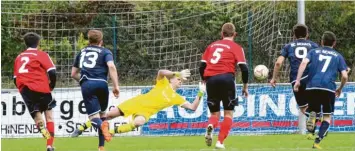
[261,72]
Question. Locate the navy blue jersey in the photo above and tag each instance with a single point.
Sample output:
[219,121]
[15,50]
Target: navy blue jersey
[92,61]
[295,51]
[324,65]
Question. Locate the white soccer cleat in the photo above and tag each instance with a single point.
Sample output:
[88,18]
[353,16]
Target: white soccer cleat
[219,145]
[209,135]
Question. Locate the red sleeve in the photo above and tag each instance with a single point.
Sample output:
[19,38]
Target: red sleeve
[46,62]
[205,55]
[239,55]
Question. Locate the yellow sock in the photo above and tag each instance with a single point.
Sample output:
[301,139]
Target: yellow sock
[86,125]
[125,128]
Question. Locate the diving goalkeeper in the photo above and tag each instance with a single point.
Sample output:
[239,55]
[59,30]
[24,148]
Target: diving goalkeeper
[143,106]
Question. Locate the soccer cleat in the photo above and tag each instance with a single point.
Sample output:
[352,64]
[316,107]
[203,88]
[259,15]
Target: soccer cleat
[310,136]
[311,121]
[49,148]
[208,135]
[219,145]
[45,133]
[316,146]
[105,131]
[101,148]
[76,133]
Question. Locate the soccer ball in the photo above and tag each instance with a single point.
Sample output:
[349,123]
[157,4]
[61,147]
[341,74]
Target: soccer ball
[261,72]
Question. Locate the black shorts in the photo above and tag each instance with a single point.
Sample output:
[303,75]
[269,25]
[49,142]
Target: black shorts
[321,100]
[37,101]
[221,88]
[301,95]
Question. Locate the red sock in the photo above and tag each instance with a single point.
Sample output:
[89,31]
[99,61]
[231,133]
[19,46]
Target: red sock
[213,120]
[50,128]
[225,127]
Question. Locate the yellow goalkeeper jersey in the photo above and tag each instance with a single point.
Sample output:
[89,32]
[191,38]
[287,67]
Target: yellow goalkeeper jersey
[160,97]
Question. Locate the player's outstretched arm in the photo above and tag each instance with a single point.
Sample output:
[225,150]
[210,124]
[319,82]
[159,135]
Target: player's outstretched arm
[301,69]
[184,74]
[114,77]
[277,67]
[193,106]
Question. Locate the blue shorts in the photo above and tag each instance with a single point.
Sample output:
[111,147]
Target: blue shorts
[95,95]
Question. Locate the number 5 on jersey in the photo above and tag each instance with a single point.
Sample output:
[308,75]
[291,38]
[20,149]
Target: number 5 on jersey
[216,55]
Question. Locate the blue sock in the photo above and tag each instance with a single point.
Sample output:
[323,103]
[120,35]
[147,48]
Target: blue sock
[96,122]
[101,136]
[322,131]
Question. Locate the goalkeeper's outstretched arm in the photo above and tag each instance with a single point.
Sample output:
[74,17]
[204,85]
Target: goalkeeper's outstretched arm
[193,106]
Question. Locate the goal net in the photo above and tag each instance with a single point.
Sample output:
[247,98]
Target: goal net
[145,37]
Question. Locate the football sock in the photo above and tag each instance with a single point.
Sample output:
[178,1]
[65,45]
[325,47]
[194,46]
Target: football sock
[125,128]
[225,127]
[101,136]
[213,120]
[322,131]
[85,126]
[50,127]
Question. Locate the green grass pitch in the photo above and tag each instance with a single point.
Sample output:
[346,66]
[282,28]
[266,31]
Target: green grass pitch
[333,142]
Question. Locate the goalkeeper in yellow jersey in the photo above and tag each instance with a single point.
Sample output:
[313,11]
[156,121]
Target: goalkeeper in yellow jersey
[143,106]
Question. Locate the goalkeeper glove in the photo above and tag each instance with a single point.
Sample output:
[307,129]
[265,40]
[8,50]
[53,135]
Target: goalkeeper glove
[202,89]
[184,74]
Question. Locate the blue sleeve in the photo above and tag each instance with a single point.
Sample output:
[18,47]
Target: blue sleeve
[310,55]
[77,60]
[341,65]
[108,56]
[284,52]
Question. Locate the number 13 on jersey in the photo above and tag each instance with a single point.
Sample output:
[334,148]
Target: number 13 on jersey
[216,55]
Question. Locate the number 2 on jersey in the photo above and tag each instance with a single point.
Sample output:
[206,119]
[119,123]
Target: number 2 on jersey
[327,61]
[23,66]
[91,62]
[216,55]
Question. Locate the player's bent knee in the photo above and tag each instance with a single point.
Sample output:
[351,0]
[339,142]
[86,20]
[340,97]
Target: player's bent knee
[139,121]
[97,115]
[49,115]
[228,113]
[327,117]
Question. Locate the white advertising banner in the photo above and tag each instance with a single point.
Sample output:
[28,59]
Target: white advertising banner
[70,112]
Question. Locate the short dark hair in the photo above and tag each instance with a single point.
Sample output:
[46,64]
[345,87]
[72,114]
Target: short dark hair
[328,38]
[31,39]
[300,31]
[95,36]
[228,29]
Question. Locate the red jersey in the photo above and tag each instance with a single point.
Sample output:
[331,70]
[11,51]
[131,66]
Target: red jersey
[31,67]
[221,57]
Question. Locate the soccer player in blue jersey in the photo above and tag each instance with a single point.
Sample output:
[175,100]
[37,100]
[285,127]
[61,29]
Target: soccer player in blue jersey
[324,65]
[94,63]
[295,51]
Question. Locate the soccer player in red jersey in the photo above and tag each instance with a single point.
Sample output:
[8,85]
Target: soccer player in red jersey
[31,71]
[217,69]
